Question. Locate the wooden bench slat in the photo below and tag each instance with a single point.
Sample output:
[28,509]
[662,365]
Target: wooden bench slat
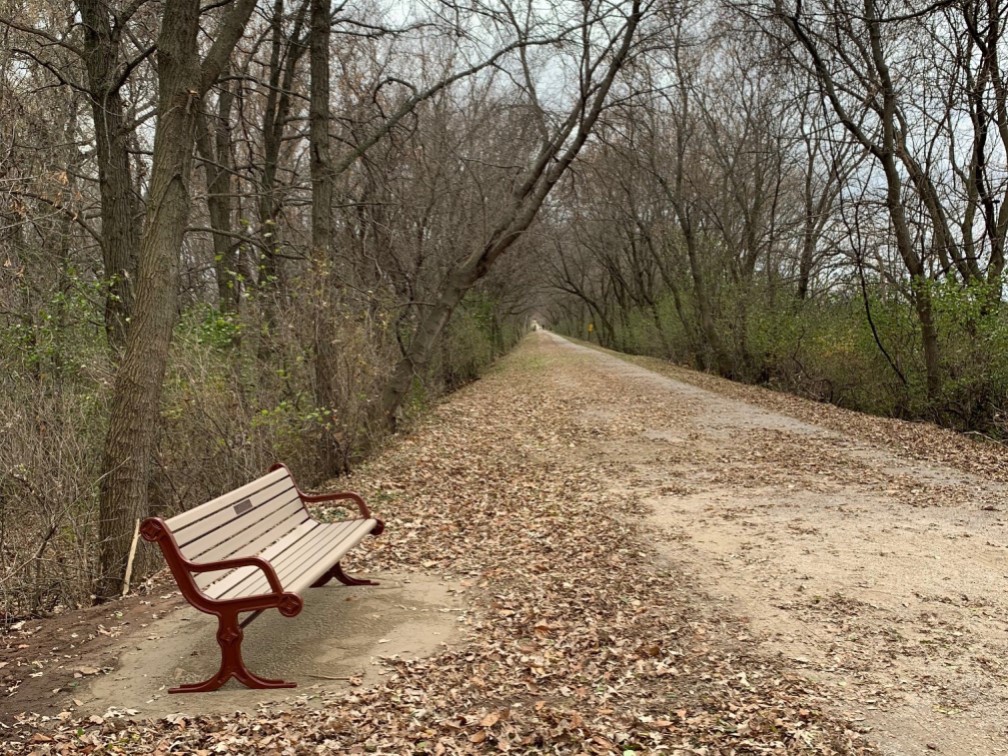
[256,547]
[247,509]
[324,560]
[256,537]
[302,567]
[283,558]
[183,519]
[241,530]
[264,538]
[287,557]
[227,582]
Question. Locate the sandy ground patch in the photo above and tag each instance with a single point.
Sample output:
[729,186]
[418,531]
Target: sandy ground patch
[334,644]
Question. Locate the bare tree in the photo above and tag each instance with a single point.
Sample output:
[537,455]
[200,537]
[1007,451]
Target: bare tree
[109,57]
[598,67]
[213,143]
[183,79]
[869,62]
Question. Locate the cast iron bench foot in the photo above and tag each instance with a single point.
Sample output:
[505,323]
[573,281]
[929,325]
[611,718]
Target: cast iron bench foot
[337,572]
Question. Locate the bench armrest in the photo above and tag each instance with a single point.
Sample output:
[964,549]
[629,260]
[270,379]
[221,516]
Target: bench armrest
[341,496]
[319,498]
[228,564]
[155,529]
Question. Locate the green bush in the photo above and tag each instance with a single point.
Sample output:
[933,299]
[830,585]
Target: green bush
[826,348]
[473,338]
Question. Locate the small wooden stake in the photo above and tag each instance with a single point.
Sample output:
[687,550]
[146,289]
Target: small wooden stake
[132,554]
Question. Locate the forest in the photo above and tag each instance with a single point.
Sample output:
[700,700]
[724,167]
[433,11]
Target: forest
[243,231]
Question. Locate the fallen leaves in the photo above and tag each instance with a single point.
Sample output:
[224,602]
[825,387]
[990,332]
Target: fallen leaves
[580,640]
[490,719]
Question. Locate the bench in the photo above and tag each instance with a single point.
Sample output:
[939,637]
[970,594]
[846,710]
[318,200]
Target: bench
[252,549]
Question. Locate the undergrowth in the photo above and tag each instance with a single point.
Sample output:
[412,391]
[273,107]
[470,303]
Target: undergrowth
[861,353]
[238,397]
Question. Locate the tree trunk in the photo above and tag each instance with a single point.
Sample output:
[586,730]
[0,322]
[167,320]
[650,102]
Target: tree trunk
[320,164]
[275,115]
[137,393]
[120,209]
[929,339]
[218,165]
[805,262]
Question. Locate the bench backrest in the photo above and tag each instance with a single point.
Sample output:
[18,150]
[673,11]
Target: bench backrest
[242,522]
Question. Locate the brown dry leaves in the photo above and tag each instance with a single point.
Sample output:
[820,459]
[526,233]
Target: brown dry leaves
[914,440]
[579,639]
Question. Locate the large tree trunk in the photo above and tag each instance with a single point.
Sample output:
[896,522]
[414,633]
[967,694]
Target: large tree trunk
[929,338]
[133,421]
[216,155]
[134,415]
[282,69]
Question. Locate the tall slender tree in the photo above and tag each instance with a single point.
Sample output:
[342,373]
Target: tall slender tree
[183,79]
[598,67]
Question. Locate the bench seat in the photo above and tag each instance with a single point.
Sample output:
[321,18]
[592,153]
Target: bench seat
[300,558]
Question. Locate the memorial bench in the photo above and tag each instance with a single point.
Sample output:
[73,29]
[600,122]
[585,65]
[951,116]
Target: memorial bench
[252,549]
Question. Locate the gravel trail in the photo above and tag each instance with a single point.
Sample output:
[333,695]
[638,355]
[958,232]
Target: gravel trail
[637,559]
[872,561]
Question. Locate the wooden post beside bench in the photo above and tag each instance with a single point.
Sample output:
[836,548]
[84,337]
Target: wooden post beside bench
[252,549]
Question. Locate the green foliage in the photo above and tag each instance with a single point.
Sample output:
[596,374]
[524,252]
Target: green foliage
[58,336]
[826,351]
[238,396]
[826,348]
[217,329]
[235,401]
[473,339]
[973,326]
[418,400]
[638,333]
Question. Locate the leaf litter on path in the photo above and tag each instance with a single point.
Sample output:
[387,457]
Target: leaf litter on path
[579,637]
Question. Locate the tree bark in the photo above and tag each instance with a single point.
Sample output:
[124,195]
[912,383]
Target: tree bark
[217,162]
[274,121]
[320,165]
[136,396]
[120,207]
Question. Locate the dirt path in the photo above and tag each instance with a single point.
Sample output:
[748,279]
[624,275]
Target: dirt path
[639,565]
[881,576]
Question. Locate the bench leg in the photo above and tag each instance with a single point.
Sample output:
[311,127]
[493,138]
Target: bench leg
[337,572]
[229,637]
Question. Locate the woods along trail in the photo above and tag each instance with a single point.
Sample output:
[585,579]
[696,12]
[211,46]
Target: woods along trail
[645,559]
